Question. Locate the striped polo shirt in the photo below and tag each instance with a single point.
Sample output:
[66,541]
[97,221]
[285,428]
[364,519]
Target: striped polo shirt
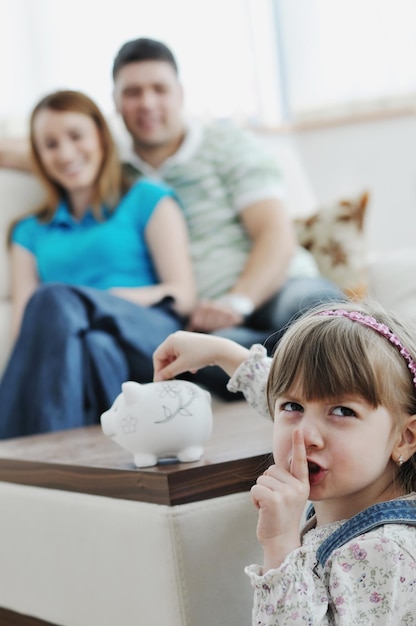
[218,171]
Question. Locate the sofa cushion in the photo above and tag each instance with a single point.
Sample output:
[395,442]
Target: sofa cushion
[335,236]
[391,281]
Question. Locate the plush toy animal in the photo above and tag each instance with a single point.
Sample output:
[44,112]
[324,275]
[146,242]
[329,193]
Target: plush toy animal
[160,420]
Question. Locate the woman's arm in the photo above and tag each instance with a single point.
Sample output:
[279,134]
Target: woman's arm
[167,238]
[24,281]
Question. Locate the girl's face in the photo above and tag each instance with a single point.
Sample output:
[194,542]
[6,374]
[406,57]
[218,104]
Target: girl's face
[69,147]
[348,448]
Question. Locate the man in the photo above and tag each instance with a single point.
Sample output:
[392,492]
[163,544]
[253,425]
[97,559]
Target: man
[251,277]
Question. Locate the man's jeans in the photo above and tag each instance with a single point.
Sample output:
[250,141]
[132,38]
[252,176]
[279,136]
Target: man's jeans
[75,348]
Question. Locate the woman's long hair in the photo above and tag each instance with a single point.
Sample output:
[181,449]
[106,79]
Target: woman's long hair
[109,184]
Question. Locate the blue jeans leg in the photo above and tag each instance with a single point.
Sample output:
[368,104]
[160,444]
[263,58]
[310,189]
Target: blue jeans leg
[108,368]
[75,348]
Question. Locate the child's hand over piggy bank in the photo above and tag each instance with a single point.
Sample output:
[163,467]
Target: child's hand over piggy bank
[159,420]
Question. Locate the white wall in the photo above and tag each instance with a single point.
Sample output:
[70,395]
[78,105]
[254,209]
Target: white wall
[343,160]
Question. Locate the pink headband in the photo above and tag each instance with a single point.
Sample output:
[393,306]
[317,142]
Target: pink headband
[381,329]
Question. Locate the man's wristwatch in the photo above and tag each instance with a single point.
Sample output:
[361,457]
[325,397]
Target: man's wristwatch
[239,303]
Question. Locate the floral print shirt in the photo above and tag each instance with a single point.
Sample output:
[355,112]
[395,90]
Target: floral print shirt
[369,581]
[251,377]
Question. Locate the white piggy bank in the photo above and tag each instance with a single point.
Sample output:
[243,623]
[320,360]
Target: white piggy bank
[160,420]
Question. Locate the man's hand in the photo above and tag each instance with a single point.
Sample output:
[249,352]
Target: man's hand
[211,315]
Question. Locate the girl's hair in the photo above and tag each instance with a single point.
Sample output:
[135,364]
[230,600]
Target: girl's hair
[329,357]
[109,185]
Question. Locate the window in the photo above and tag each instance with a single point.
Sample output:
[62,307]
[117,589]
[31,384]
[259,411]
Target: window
[347,56]
[53,44]
[263,62]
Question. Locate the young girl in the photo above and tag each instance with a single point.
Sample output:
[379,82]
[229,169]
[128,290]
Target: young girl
[342,392]
[101,274]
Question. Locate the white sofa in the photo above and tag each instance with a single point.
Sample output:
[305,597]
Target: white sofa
[19,192]
[70,559]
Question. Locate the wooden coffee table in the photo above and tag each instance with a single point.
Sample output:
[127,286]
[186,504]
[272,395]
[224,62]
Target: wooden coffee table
[84,461]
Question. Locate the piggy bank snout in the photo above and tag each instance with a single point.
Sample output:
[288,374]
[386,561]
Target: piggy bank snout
[107,424]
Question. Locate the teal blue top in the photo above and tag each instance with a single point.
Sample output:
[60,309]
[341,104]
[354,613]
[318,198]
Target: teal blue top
[92,253]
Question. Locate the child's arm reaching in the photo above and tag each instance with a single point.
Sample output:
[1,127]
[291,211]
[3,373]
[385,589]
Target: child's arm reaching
[188,352]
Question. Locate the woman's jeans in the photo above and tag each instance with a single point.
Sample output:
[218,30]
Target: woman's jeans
[75,348]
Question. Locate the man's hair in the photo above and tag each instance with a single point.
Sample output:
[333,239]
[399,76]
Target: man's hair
[143,49]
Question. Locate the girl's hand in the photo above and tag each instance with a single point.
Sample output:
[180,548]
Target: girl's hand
[185,351]
[181,352]
[280,495]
